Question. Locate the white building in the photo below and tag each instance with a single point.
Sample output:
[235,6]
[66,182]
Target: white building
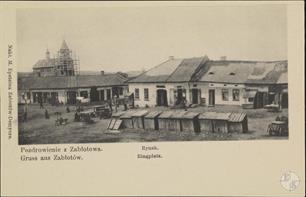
[202,81]
[168,84]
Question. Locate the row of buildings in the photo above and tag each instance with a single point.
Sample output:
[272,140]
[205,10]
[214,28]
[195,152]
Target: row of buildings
[197,80]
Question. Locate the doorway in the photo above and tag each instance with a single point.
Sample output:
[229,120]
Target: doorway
[261,99]
[71,97]
[195,96]
[162,98]
[211,99]
[284,100]
[94,94]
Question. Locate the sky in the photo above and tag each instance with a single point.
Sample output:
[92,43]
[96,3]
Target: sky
[136,38]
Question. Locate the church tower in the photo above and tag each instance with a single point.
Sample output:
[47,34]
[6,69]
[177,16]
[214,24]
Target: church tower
[64,61]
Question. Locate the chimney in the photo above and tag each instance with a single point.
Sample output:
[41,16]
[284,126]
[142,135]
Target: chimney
[171,57]
[102,72]
[223,58]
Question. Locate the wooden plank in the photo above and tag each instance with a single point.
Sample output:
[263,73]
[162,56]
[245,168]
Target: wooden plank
[110,122]
[113,124]
[117,124]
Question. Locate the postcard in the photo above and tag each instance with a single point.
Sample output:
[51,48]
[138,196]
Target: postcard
[152,98]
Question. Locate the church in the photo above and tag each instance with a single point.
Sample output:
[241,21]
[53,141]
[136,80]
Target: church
[57,80]
[61,65]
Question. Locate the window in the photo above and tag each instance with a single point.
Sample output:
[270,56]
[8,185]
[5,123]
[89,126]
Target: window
[211,73]
[232,73]
[84,94]
[146,94]
[224,95]
[136,93]
[251,99]
[235,95]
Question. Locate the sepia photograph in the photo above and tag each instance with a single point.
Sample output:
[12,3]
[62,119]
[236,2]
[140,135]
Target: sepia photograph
[153,98]
[152,74]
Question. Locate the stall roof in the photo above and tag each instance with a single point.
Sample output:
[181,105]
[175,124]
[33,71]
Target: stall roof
[140,113]
[237,117]
[153,114]
[118,114]
[190,115]
[128,114]
[178,114]
[166,114]
[214,116]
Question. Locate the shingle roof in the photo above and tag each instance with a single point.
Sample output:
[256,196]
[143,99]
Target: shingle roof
[45,63]
[172,70]
[160,73]
[59,82]
[186,69]
[244,72]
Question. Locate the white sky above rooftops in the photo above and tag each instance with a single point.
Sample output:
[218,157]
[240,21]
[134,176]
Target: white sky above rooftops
[135,38]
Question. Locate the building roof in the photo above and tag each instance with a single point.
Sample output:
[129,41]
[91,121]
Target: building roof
[44,63]
[268,72]
[172,70]
[63,82]
[283,79]
[221,71]
[253,72]
[187,69]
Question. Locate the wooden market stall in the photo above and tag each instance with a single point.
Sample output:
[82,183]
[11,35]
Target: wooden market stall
[214,122]
[175,121]
[163,120]
[138,119]
[127,120]
[238,122]
[151,120]
[190,122]
[115,119]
